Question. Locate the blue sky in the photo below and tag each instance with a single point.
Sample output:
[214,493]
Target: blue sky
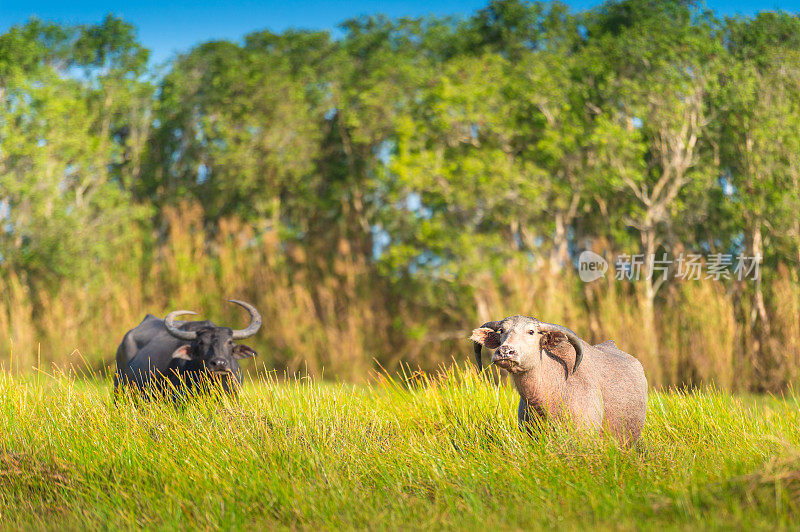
[170,26]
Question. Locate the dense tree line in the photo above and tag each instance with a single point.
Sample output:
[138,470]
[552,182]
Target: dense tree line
[427,155]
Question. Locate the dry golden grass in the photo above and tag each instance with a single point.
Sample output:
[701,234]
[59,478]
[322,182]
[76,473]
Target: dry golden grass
[343,320]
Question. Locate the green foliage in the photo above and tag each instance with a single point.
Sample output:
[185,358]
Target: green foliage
[761,113]
[235,132]
[110,47]
[65,212]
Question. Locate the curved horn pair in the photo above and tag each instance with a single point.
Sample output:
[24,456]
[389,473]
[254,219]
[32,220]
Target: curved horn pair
[238,334]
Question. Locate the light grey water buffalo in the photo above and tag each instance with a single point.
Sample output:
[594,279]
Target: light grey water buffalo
[559,375]
[180,356]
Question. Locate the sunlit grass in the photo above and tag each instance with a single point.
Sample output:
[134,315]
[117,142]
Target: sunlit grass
[441,453]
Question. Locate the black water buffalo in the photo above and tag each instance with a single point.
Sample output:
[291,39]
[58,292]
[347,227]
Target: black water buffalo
[183,357]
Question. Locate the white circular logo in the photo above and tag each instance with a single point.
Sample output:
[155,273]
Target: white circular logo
[591,266]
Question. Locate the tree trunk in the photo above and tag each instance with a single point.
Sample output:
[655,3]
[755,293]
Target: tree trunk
[559,255]
[649,245]
[759,309]
[757,332]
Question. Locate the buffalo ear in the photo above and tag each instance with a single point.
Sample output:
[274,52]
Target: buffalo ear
[182,353]
[243,351]
[558,345]
[487,337]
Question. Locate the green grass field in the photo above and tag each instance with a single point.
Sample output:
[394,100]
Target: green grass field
[443,454]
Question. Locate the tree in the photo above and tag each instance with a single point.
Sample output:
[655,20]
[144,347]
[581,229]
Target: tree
[663,63]
[60,207]
[235,132]
[114,70]
[460,187]
[759,148]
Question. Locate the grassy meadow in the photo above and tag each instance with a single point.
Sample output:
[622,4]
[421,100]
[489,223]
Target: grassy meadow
[440,452]
[378,191]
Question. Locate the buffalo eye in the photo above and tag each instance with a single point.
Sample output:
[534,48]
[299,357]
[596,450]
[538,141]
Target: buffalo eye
[531,332]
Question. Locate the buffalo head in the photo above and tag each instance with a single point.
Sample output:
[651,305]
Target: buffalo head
[213,349]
